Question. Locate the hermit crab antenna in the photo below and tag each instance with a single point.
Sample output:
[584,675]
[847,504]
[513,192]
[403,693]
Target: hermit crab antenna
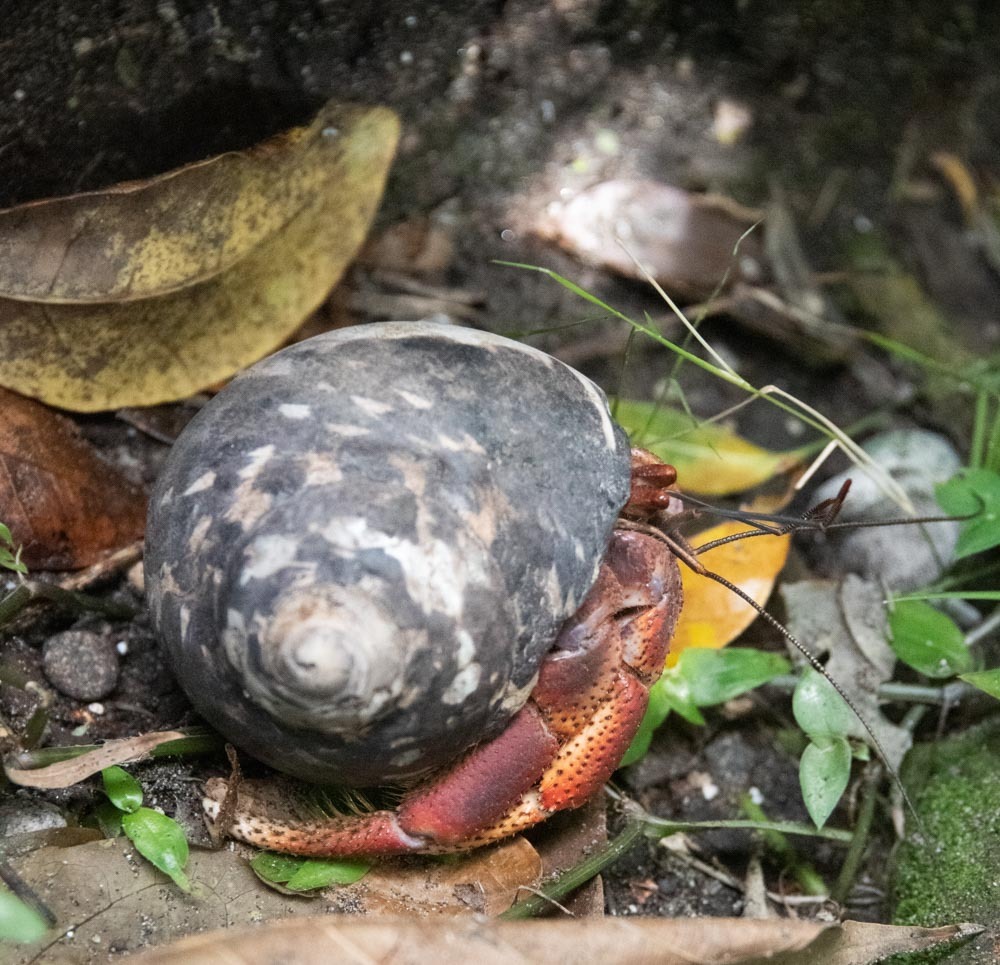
[688,554]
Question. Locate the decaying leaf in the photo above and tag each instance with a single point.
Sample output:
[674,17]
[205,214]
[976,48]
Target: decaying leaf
[68,773]
[713,615]
[848,620]
[688,242]
[108,898]
[719,941]
[62,502]
[486,882]
[710,459]
[149,291]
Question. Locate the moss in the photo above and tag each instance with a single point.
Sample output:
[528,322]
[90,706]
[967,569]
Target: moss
[949,871]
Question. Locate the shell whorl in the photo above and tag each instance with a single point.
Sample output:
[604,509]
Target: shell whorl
[358,553]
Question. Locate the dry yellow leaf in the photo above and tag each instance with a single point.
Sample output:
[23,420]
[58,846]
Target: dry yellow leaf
[713,616]
[237,251]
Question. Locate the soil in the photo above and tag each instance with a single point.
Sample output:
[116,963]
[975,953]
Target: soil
[506,108]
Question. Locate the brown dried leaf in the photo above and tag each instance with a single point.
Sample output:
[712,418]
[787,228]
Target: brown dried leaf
[109,899]
[685,240]
[720,941]
[486,882]
[182,290]
[68,773]
[62,502]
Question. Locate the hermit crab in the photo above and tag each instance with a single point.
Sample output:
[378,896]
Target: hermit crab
[417,554]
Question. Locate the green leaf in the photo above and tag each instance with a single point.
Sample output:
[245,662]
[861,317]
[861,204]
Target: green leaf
[928,640]
[824,770]
[19,922]
[709,458]
[160,841]
[272,866]
[321,874]
[987,681]
[977,491]
[5,536]
[108,819]
[715,676]
[701,678]
[669,693]
[306,874]
[123,790]
[819,710]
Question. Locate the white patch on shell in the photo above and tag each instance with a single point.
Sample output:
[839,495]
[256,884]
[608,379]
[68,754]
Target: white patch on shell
[168,582]
[554,592]
[197,536]
[371,407]
[292,410]
[436,572]
[248,504]
[417,401]
[578,550]
[407,758]
[266,556]
[463,684]
[413,472]
[456,445]
[259,458]
[466,649]
[184,615]
[235,621]
[204,481]
[320,470]
[346,431]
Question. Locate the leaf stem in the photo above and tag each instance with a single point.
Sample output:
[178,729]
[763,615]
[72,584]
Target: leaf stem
[862,831]
[579,874]
[31,591]
[199,740]
[949,693]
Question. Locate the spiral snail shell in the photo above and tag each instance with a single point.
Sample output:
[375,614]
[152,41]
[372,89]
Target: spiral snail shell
[359,552]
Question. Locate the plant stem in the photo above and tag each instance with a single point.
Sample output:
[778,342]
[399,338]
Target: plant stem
[862,830]
[31,591]
[579,874]
[199,740]
[948,693]
[806,875]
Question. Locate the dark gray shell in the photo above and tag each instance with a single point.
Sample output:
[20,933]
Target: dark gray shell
[359,551]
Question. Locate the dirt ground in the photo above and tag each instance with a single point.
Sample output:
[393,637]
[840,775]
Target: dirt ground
[508,107]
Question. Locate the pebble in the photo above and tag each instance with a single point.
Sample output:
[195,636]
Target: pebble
[23,816]
[81,664]
[899,557]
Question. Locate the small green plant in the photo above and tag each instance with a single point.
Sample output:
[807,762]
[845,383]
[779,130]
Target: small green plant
[10,556]
[159,839]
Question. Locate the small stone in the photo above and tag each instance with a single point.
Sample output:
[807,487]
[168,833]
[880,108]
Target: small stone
[25,816]
[81,664]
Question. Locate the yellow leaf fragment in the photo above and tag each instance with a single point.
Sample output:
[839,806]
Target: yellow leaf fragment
[712,615]
[710,459]
[200,296]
